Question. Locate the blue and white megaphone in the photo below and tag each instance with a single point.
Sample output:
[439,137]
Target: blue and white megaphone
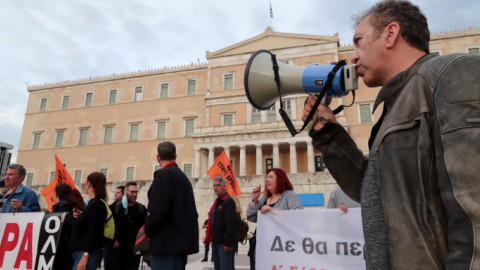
[262,91]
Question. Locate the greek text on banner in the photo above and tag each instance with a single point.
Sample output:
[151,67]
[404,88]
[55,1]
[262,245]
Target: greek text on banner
[313,239]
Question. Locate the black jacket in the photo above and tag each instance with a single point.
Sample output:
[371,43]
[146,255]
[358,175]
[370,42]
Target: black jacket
[63,257]
[225,222]
[172,223]
[128,224]
[87,232]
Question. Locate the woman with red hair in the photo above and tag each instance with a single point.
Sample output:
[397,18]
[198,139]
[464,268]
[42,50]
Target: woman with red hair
[278,195]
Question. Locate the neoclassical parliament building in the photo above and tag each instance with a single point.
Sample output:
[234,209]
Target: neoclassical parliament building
[113,123]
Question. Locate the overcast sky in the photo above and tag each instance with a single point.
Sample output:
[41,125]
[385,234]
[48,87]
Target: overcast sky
[49,41]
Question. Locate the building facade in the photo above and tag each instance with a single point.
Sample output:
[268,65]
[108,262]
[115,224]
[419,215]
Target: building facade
[113,123]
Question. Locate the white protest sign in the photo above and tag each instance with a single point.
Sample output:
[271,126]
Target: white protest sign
[310,239]
[29,240]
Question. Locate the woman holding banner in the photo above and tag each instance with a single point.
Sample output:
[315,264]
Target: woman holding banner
[87,232]
[278,195]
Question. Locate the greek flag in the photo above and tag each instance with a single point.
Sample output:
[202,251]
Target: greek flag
[271,11]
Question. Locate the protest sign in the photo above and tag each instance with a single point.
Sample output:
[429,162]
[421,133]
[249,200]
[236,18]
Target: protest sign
[310,239]
[222,167]
[29,240]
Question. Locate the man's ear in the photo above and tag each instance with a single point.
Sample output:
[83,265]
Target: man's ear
[391,34]
[158,158]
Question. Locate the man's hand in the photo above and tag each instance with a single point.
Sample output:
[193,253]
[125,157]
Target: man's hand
[226,249]
[76,212]
[116,244]
[323,112]
[16,204]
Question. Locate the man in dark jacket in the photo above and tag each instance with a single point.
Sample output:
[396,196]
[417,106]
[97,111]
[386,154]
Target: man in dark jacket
[419,187]
[172,223]
[223,227]
[127,223]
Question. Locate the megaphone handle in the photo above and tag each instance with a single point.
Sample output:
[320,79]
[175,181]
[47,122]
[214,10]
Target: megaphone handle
[325,101]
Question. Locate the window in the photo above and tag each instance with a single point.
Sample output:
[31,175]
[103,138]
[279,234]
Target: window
[88,99]
[161,130]
[65,102]
[192,87]
[108,135]
[130,174]
[268,164]
[134,132]
[83,137]
[36,140]
[287,107]
[227,81]
[256,115]
[474,51]
[105,172]
[156,168]
[51,177]
[112,97]
[319,165]
[29,179]
[227,119]
[59,138]
[164,90]
[77,178]
[188,169]
[43,104]
[365,113]
[271,113]
[138,93]
[189,127]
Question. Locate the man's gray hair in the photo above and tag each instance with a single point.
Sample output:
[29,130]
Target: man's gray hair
[221,179]
[167,151]
[19,167]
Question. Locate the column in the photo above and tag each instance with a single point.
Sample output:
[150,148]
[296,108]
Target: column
[196,173]
[227,151]
[310,157]
[293,157]
[243,161]
[276,156]
[211,152]
[259,160]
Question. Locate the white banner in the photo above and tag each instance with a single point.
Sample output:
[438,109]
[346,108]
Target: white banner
[310,239]
[29,240]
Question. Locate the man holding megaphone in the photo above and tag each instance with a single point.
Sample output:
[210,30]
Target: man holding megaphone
[419,187]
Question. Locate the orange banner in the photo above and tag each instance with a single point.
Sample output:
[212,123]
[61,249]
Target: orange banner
[61,177]
[222,167]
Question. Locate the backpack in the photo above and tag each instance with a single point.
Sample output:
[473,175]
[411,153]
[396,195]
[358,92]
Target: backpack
[243,232]
[142,244]
[109,228]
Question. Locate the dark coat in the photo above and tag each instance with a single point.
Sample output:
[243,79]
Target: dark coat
[225,222]
[63,257]
[172,223]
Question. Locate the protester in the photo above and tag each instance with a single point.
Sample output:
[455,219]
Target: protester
[172,223]
[419,189]
[206,245]
[16,197]
[278,195]
[127,223]
[119,192]
[223,227]
[338,199]
[87,233]
[63,257]
[107,250]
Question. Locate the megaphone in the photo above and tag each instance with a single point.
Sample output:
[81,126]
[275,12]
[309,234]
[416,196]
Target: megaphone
[262,90]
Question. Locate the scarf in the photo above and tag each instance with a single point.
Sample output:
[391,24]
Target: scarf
[208,237]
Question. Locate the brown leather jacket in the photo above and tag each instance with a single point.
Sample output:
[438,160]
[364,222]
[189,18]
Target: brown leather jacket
[427,148]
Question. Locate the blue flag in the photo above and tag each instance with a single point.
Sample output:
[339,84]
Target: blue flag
[271,11]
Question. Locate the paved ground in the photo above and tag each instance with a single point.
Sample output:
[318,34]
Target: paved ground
[242,261]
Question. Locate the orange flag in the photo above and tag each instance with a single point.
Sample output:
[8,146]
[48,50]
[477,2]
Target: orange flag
[222,167]
[61,177]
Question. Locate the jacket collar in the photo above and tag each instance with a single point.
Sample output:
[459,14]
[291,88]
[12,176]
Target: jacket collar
[398,82]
